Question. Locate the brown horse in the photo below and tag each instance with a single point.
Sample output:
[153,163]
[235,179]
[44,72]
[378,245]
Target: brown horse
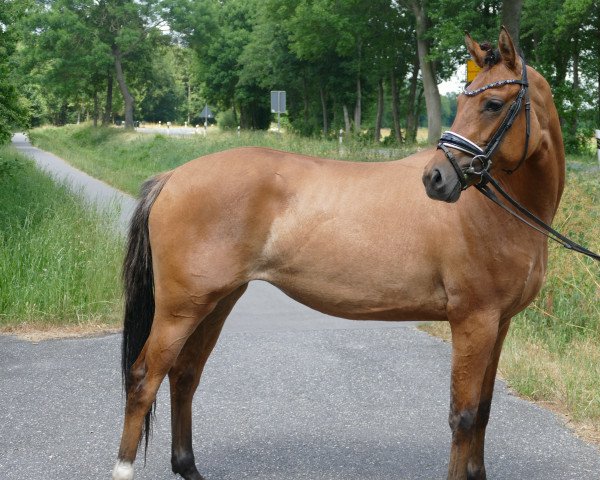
[355,240]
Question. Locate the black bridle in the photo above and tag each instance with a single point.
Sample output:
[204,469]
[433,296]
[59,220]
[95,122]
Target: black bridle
[481,161]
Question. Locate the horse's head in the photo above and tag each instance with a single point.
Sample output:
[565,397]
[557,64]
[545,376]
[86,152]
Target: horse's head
[483,137]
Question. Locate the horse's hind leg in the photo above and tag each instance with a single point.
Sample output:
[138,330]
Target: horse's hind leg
[476,468]
[473,340]
[184,378]
[173,324]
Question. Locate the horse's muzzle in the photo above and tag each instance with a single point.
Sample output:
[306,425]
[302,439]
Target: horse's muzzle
[441,183]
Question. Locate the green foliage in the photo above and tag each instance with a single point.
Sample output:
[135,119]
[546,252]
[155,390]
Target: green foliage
[328,55]
[563,45]
[226,120]
[13,110]
[59,261]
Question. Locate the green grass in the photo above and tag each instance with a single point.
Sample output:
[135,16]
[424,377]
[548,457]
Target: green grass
[126,159]
[59,261]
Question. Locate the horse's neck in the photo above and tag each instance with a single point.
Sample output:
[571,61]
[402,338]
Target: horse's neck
[539,183]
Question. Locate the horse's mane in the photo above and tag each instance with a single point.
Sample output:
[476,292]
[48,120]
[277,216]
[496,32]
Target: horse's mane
[492,56]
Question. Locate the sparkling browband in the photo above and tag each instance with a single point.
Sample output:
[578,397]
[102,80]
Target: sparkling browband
[471,93]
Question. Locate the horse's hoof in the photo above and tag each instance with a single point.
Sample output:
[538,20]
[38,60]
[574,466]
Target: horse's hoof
[123,471]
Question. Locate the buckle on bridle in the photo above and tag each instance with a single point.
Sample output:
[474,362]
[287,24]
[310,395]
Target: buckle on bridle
[485,162]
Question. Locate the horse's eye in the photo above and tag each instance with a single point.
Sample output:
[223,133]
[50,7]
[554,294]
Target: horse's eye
[494,105]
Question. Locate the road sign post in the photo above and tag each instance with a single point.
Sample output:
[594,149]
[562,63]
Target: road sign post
[278,105]
[206,114]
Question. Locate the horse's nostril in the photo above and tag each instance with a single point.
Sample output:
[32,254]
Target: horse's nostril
[436,176]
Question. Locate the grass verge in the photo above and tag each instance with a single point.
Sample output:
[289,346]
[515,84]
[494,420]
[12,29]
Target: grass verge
[125,159]
[59,261]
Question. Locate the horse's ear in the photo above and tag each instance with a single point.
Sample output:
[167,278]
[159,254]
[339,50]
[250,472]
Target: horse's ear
[508,52]
[475,50]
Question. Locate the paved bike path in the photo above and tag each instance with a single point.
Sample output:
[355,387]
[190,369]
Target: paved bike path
[288,394]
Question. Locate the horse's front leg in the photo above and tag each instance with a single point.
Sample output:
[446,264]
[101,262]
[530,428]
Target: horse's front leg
[473,340]
[476,468]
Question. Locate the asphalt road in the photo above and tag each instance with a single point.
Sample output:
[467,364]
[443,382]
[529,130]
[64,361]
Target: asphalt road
[287,394]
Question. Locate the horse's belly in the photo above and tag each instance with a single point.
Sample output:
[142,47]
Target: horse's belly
[372,292]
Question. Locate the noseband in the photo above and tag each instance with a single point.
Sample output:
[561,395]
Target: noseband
[481,159]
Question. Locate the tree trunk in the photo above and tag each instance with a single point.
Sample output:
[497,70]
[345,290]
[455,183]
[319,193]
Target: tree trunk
[432,94]
[395,105]
[576,97]
[347,122]
[96,108]
[598,119]
[379,117]
[413,111]
[189,101]
[324,108]
[511,18]
[127,97]
[358,107]
[305,100]
[106,117]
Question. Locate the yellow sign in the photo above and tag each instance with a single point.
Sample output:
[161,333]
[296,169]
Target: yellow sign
[472,70]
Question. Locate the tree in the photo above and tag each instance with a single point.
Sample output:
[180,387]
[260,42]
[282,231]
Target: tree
[12,110]
[511,18]
[428,72]
[564,45]
[130,29]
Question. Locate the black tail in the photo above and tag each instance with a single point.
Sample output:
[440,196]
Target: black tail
[139,286]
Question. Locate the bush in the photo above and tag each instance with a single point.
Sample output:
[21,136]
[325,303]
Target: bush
[226,120]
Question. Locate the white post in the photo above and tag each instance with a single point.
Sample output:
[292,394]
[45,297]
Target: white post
[238,130]
[279,112]
[341,136]
[598,144]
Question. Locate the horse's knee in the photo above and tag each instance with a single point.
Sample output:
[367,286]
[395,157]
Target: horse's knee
[462,422]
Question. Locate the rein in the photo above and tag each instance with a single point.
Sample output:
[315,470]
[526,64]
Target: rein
[481,162]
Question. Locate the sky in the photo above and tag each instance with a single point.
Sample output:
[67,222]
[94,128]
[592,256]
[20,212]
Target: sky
[455,84]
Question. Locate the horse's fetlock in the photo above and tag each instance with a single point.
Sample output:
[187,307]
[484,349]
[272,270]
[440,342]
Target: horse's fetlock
[183,463]
[476,472]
